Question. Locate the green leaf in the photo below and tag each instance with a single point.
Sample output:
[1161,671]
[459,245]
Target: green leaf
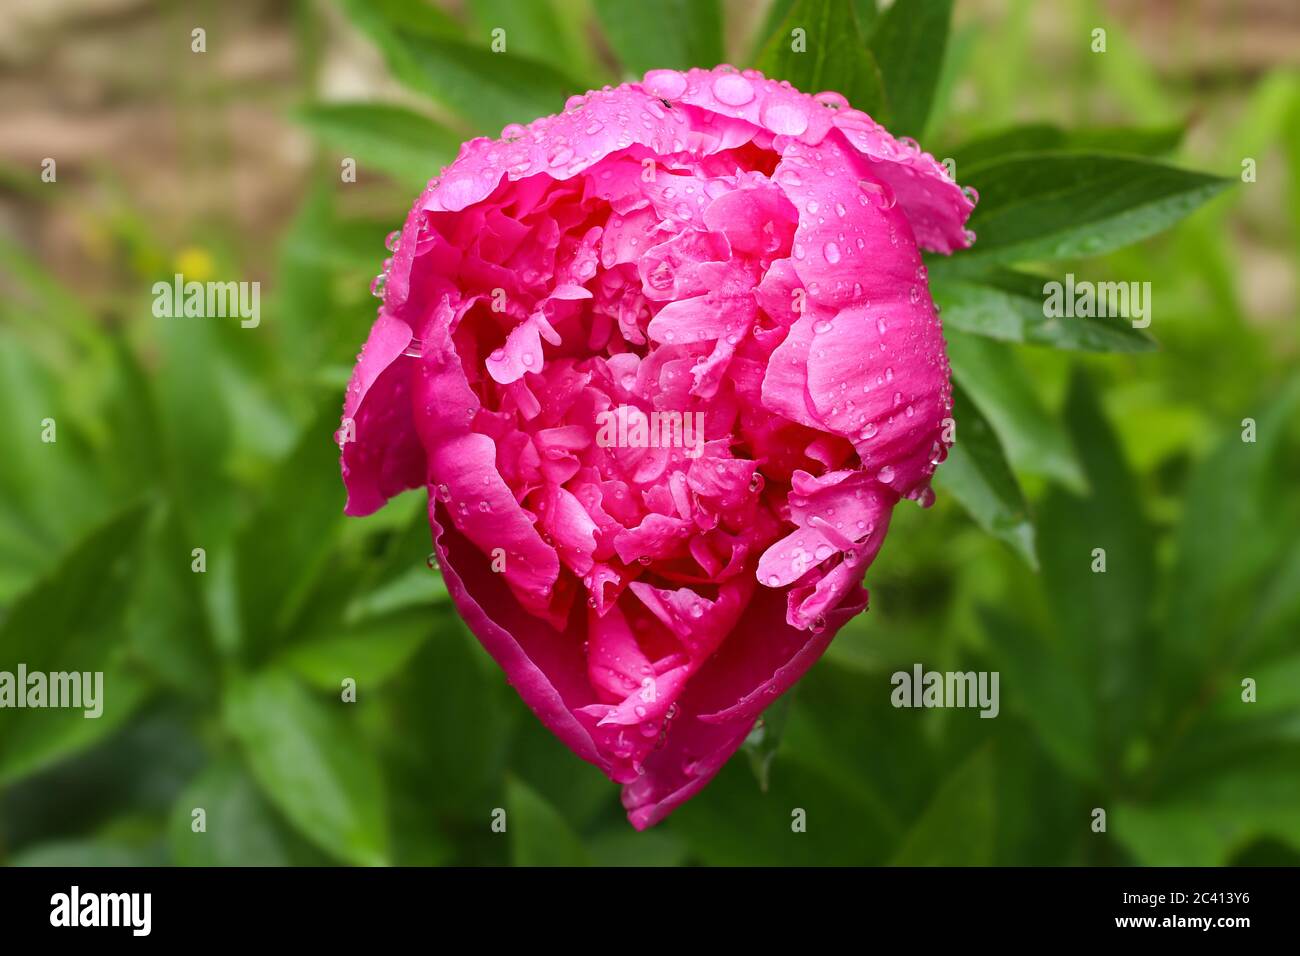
[452,683]
[1006,305]
[378,17]
[49,492]
[836,57]
[369,652]
[847,755]
[241,827]
[196,428]
[663,34]
[623,846]
[1207,822]
[1101,614]
[168,629]
[539,836]
[1043,684]
[287,539]
[976,473]
[1045,137]
[489,90]
[312,765]
[909,42]
[999,388]
[413,587]
[72,621]
[549,31]
[96,852]
[1059,205]
[486,89]
[956,828]
[399,141]
[341,245]
[1236,526]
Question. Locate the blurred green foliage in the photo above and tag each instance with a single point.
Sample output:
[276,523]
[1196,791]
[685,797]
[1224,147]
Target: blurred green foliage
[1120,690]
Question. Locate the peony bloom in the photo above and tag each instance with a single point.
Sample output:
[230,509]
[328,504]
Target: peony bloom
[665,363]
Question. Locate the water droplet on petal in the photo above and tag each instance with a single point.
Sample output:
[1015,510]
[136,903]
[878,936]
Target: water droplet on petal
[733,89]
[785,114]
[666,83]
[880,193]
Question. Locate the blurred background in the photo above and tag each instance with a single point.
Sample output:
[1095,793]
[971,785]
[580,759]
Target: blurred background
[1121,692]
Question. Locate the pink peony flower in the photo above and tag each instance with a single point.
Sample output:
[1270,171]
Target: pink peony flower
[566,309]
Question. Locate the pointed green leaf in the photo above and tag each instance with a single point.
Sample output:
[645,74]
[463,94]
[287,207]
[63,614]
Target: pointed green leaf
[369,652]
[240,828]
[909,42]
[1238,521]
[549,31]
[1000,389]
[450,682]
[663,34]
[1042,683]
[1101,613]
[394,139]
[539,835]
[994,147]
[1059,205]
[1207,822]
[1007,305]
[864,10]
[311,763]
[285,542]
[956,829]
[827,53]
[71,623]
[976,473]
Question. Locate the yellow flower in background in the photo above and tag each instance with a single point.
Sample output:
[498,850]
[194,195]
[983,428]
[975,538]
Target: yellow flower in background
[195,264]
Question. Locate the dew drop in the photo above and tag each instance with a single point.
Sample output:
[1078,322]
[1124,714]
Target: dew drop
[880,193]
[666,83]
[733,89]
